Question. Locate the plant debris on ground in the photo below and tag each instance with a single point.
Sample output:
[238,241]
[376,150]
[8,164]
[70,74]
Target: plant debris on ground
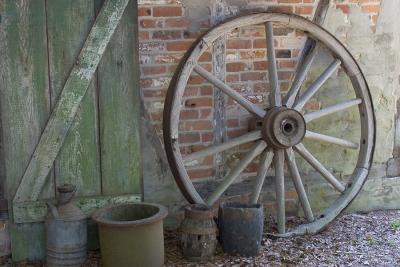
[371,239]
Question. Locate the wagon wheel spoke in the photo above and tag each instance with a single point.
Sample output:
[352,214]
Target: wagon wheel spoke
[331,109]
[236,171]
[246,138]
[279,161]
[300,76]
[298,184]
[331,139]
[319,167]
[275,98]
[251,107]
[317,84]
[265,162]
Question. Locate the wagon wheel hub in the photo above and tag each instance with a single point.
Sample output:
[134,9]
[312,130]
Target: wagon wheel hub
[283,127]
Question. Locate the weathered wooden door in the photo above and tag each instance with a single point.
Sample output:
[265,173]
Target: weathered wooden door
[69,112]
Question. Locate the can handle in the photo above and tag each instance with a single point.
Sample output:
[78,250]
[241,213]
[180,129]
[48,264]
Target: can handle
[53,209]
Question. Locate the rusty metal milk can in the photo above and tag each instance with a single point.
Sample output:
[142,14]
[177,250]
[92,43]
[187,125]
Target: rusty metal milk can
[66,230]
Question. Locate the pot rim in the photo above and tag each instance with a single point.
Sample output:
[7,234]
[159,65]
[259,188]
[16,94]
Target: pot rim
[240,205]
[158,216]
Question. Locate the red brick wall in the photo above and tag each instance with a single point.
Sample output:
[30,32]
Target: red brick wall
[166,32]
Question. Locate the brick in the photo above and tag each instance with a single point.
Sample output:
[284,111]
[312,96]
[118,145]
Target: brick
[156,116]
[249,32]
[154,93]
[236,133]
[179,45]
[259,43]
[200,173]
[231,78]
[145,83]
[232,123]
[151,46]
[283,53]
[206,90]
[144,35]
[289,1]
[304,10]
[154,70]
[198,102]
[167,35]
[198,125]
[260,65]
[150,23]
[262,87]
[144,11]
[186,138]
[177,23]
[189,114]
[191,34]
[252,76]
[205,113]
[144,59]
[191,91]
[282,31]
[167,58]
[206,56]
[196,79]
[344,7]
[238,44]
[284,75]
[252,167]
[282,9]
[255,54]
[236,66]
[167,11]
[370,8]
[312,105]
[287,64]
[207,137]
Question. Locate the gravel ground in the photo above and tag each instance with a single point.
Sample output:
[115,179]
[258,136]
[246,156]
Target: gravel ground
[371,239]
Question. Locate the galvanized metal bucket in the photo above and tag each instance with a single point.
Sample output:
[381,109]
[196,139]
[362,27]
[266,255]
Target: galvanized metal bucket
[131,234]
[241,228]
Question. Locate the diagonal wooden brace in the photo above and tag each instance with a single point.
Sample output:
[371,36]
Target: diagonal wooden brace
[70,98]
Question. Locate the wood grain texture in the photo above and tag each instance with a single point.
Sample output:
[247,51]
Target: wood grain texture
[78,162]
[28,241]
[36,211]
[25,107]
[119,110]
[24,89]
[64,111]
[219,71]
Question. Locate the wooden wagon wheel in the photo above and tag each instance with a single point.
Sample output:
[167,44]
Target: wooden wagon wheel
[283,124]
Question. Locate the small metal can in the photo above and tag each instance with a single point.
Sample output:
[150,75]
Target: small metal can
[66,230]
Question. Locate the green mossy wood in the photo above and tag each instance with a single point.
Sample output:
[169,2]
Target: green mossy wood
[61,120]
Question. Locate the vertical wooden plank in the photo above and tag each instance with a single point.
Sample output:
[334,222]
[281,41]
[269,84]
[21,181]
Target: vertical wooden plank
[28,241]
[219,65]
[78,162]
[119,109]
[24,83]
[25,105]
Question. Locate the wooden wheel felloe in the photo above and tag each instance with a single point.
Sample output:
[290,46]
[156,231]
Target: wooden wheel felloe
[284,124]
